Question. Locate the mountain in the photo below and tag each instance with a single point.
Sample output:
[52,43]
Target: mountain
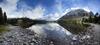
[72,21]
[75,13]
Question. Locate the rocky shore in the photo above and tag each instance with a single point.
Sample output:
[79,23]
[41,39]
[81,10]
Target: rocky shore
[86,38]
[19,36]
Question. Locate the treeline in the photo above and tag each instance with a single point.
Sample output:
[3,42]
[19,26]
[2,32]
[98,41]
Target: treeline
[3,17]
[15,21]
[93,18]
[25,22]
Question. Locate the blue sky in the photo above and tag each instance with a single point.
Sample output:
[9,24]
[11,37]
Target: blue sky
[46,9]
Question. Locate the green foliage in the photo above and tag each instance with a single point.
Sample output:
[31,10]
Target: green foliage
[3,28]
[90,19]
[23,22]
[93,18]
[12,21]
[84,20]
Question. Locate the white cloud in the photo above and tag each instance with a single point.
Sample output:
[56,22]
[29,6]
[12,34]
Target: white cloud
[66,11]
[53,16]
[10,6]
[85,8]
[38,12]
[59,11]
[74,8]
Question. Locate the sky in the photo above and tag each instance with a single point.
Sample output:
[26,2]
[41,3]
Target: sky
[46,9]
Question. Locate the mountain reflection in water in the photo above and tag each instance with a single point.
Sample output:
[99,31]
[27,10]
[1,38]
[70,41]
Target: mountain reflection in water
[52,31]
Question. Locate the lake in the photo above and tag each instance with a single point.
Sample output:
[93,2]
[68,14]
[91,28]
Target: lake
[53,32]
[61,36]
[50,34]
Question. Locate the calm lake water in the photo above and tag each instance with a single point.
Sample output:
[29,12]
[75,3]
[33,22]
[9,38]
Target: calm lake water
[61,36]
[52,31]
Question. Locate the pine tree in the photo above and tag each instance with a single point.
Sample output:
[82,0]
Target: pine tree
[5,17]
[97,14]
[96,18]
[90,19]
[1,16]
[99,19]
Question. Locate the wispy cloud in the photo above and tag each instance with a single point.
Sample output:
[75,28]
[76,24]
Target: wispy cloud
[27,11]
[46,9]
[11,6]
[36,13]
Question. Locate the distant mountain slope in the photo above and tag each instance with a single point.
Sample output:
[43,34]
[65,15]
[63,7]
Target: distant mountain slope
[72,21]
[75,13]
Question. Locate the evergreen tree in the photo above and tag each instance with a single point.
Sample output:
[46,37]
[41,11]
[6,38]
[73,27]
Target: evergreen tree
[99,19]
[1,16]
[96,18]
[0,11]
[97,14]
[90,19]
[5,17]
